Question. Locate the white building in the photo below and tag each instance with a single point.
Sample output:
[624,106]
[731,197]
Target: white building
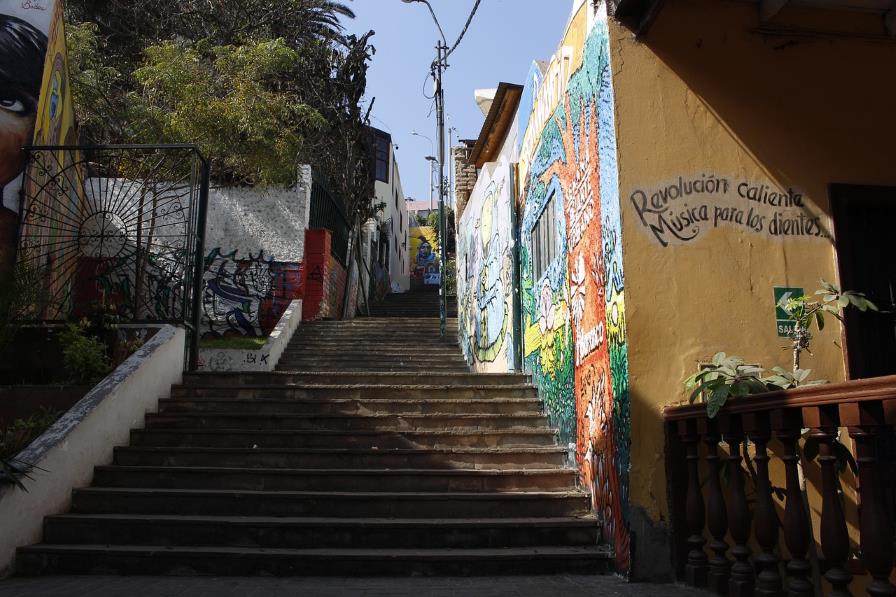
[385,240]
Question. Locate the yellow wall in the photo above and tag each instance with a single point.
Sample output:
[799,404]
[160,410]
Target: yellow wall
[52,179]
[702,94]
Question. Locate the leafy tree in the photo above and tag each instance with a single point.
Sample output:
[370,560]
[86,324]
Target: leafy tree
[130,26]
[220,98]
[432,220]
[259,85]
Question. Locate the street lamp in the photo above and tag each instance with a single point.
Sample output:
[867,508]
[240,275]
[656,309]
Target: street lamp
[438,67]
[432,12]
[432,166]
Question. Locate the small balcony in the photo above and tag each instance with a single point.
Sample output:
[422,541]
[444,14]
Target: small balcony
[790,492]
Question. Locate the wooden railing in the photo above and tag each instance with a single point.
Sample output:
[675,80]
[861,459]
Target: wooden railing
[711,461]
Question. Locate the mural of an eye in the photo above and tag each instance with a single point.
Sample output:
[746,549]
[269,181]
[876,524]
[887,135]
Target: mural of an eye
[12,105]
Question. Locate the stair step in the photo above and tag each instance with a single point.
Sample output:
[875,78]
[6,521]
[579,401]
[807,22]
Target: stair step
[317,363]
[243,561]
[420,369]
[281,378]
[354,406]
[453,458]
[373,353]
[346,422]
[310,532]
[359,391]
[355,504]
[241,438]
[283,479]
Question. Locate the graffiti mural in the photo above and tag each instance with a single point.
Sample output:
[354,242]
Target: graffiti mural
[425,251]
[246,296]
[574,313]
[23,50]
[485,270]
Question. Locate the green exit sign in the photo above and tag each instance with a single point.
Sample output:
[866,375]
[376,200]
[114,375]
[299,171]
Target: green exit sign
[785,326]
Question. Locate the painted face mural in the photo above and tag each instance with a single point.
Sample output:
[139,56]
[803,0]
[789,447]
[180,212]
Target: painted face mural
[574,310]
[23,47]
[425,268]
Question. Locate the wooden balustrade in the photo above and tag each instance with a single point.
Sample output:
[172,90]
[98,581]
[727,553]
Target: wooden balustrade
[714,507]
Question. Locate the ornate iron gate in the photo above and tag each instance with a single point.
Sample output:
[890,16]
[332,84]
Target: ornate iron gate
[117,225]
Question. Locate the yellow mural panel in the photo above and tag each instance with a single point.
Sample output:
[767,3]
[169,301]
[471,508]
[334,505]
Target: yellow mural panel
[53,182]
[425,251]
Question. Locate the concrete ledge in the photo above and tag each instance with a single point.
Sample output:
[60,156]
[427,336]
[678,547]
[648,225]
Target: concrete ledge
[263,359]
[66,454]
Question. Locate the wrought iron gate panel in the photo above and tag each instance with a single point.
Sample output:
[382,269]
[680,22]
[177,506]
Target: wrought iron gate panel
[118,225]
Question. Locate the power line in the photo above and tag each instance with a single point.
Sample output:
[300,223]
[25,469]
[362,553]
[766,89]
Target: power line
[464,30]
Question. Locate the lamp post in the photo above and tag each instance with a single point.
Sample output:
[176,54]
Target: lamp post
[432,165]
[431,161]
[438,67]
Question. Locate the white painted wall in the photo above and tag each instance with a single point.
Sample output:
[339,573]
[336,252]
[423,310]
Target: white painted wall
[248,219]
[84,438]
[263,359]
[396,214]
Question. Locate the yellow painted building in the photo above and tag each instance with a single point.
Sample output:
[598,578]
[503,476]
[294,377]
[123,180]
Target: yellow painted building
[755,151]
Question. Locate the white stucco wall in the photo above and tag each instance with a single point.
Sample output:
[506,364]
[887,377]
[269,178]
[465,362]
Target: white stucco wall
[396,213]
[272,220]
[85,436]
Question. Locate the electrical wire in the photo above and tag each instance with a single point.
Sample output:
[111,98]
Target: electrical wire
[464,30]
[425,80]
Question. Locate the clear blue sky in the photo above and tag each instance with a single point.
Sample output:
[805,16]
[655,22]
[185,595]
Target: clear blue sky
[503,39]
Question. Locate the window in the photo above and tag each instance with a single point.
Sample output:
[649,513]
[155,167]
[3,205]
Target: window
[543,240]
[382,158]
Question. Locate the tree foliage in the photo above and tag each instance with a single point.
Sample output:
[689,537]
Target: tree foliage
[259,85]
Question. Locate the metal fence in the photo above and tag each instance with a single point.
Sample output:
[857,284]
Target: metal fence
[119,226]
[328,211]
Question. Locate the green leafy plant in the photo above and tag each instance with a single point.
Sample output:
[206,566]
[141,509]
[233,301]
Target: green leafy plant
[16,437]
[84,356]
[22,294]
[804,311]
[725,377]
[729,376]
[21,432]
[451,277]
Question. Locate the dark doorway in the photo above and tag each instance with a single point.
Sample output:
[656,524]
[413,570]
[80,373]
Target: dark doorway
[864,218]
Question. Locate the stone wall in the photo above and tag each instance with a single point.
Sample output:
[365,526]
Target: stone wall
[464,177]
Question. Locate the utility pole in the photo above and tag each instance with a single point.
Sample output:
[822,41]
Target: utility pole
[440,66]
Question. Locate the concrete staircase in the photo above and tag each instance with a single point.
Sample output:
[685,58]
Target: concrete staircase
[372,451]
[422,301]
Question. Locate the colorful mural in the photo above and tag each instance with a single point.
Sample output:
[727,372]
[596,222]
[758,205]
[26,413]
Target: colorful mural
[485,270]
[425,252]
[574,313]
[23,52]
[246,296]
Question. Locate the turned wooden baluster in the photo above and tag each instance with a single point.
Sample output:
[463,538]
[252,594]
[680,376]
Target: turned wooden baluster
[696,566]
[765,520]
[823,422]
[716,516]
[865,420]
[787,424]
[741,581]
